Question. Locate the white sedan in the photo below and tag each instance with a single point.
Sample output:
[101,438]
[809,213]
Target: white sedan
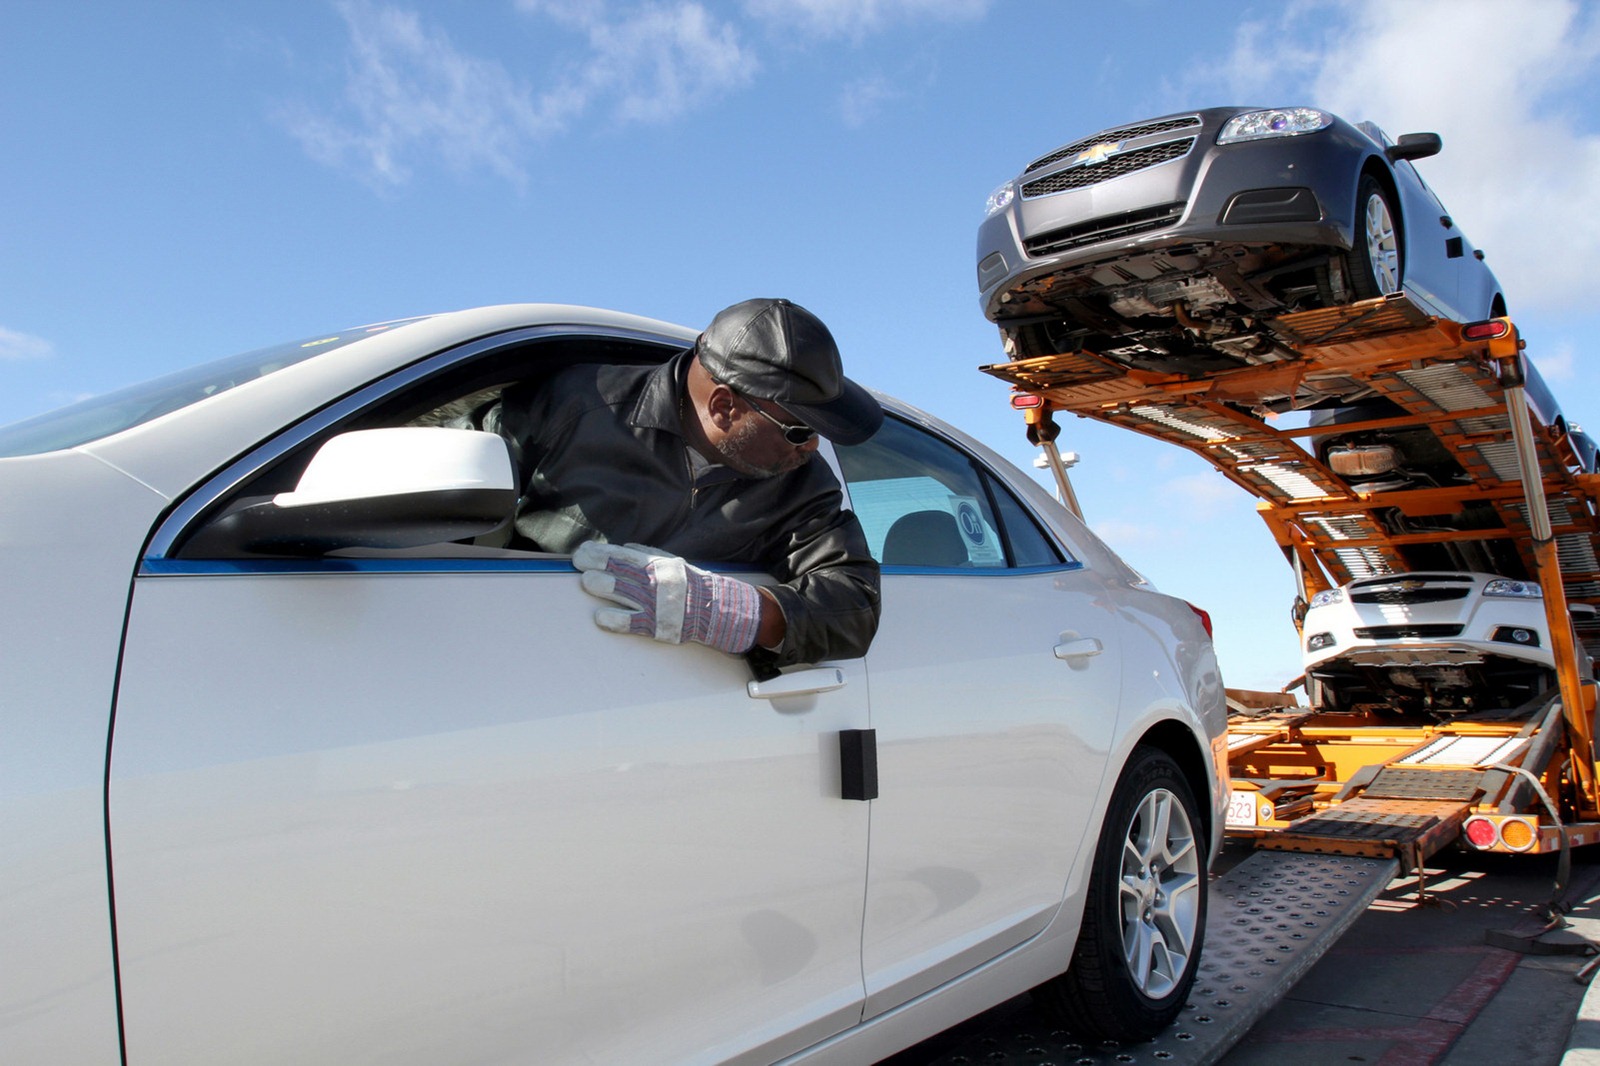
[296,766]
[1440,643]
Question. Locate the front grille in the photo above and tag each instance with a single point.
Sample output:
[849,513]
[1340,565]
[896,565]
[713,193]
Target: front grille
[1105,228]
[1431,630]
[1087,174]
[1431,594]
[1430,577]
[1127,133]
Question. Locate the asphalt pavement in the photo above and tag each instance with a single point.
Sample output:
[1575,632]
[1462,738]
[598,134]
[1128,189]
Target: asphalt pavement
[1485,961]
[1473,965]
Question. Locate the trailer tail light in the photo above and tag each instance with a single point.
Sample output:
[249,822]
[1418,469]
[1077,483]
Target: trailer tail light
[1205,618]
[1493,329]
[1026,401]
[1480,833]
[1518,834]
[1500,833]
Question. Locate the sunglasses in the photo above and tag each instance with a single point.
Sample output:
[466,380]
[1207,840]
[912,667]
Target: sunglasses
[799,436]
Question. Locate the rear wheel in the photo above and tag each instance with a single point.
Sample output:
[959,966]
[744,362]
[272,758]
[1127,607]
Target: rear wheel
[1144,917]
[1374,266]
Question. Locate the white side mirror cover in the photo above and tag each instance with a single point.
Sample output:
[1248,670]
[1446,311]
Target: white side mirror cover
[384,462]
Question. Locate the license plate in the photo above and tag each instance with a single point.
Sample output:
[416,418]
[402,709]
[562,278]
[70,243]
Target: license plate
[1242,809]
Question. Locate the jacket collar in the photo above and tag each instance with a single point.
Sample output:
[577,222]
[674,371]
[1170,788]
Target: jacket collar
[660,404]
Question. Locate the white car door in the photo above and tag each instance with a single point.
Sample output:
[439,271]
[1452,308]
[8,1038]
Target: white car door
[995,681]
[423,810]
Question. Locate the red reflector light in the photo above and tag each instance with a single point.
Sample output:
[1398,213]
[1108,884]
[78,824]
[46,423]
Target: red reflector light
[1486,331]
[1205,619]
[1480,832]
[1025,401]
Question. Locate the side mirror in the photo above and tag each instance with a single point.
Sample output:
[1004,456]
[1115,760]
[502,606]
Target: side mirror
[1414,146]
[374,488]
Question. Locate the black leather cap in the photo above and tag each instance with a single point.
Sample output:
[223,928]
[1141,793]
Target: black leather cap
[776,350]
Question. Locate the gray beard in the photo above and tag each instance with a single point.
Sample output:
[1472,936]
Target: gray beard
[732,449]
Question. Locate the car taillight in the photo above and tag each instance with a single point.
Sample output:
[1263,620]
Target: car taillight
[1205,619]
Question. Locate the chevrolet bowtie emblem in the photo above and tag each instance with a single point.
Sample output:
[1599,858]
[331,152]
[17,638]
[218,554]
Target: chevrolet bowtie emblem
[1098,154]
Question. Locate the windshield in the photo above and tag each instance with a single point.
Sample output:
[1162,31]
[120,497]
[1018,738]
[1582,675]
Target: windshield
[113,412]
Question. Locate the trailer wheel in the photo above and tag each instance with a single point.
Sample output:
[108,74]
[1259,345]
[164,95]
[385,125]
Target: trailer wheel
[1375,265]
[1144,917]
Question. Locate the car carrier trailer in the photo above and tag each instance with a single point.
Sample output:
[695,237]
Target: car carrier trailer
[1372,782]
[1337,803]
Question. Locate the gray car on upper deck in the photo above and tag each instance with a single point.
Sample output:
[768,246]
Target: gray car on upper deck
[1169,244]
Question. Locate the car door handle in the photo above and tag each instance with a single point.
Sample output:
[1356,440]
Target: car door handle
[799,683]
[1079,648]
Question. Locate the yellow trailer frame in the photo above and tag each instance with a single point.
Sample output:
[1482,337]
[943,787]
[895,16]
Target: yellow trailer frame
[1349,783]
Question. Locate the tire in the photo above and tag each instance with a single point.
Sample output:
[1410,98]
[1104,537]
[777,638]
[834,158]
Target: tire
[1145,914]
[1375,266]
[1322,696]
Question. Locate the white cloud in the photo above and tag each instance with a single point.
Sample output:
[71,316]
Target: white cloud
[658,60]
[1518,169]
[411,94]
[862,101]
[1559,363]
[412,97]
[1201,496]
[857,18]
[1175,508]
[14,345]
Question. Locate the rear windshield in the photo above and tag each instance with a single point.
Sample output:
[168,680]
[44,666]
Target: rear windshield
[113,412]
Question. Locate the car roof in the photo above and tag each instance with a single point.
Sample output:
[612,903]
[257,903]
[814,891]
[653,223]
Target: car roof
[173,452]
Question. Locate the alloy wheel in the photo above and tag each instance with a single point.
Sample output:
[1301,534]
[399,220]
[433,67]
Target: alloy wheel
[1159,894]
[1383,246]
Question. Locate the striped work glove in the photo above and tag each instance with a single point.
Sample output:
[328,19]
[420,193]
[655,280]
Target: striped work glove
[663,597]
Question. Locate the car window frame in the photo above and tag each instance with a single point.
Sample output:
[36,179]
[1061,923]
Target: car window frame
[991,480]
[162,553]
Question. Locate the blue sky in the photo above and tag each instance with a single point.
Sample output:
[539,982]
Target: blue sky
[184,180]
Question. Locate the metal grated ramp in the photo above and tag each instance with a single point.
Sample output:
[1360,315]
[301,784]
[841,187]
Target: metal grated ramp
[1373,826]
[1353,322]
[1404,782]
[1271,918]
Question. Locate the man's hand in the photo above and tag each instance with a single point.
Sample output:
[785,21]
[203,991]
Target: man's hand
[663,597]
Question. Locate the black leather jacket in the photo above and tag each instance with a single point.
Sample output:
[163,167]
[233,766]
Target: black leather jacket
[601,454]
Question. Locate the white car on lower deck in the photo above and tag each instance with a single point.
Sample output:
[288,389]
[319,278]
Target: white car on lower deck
[388,795]
[1445,642]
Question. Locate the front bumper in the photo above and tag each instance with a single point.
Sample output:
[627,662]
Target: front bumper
[1297,191]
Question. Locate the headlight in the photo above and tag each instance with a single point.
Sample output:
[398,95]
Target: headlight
[1319,641]
[1286,122]
[1000,199]
[1504,586]
[1327,596]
